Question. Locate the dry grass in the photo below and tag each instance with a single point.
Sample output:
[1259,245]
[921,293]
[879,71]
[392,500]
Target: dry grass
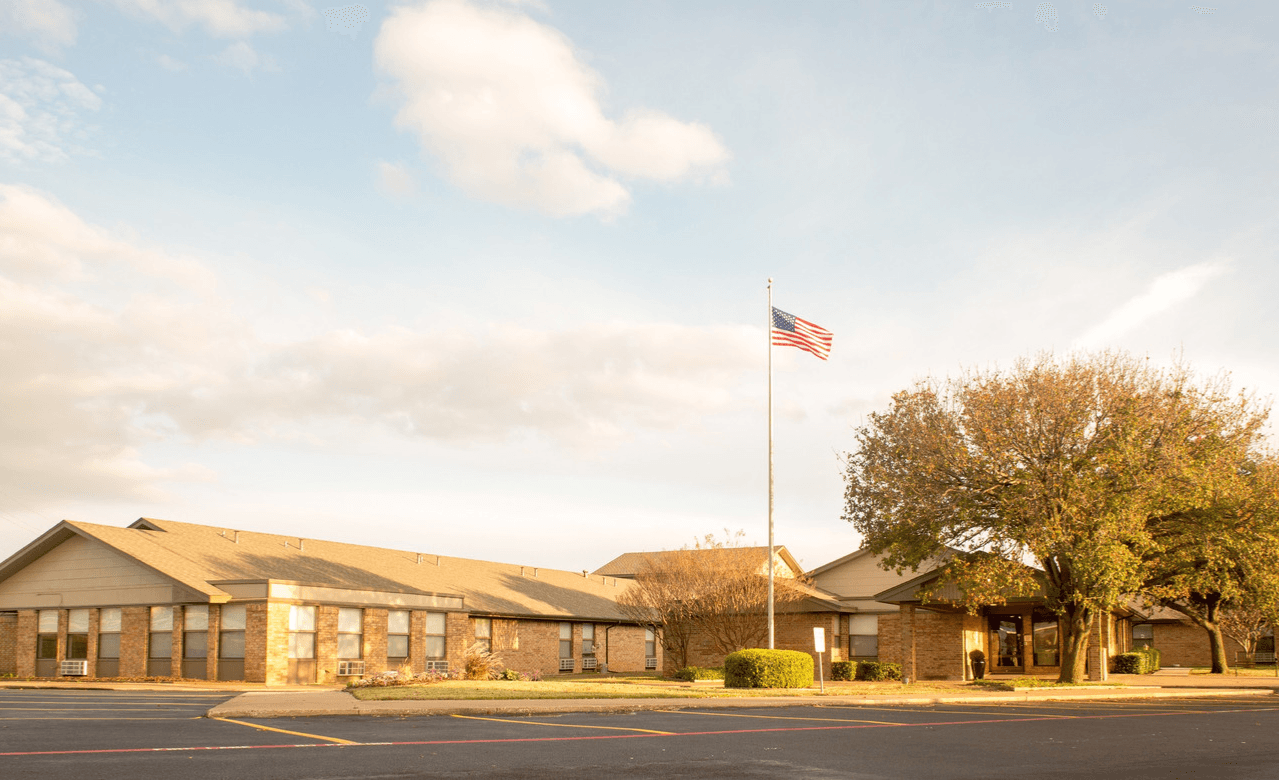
[622,688]
[1262,671]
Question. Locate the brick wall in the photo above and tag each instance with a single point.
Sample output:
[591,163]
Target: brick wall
[1185,644]
[8,643]
[28,624]
[326,643]
[458,635]
[624,650]
[134,624]
[527,645]
[374,641]
[942,642]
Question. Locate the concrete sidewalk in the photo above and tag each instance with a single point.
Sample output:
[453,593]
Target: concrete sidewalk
[296,704]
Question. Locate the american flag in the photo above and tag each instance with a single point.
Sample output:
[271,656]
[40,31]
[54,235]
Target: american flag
[791,331]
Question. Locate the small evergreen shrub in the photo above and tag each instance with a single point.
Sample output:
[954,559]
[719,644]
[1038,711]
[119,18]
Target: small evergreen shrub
[1128,663]
[768,669]
[877,671]
[691,673]
[1152,659]
[843,670]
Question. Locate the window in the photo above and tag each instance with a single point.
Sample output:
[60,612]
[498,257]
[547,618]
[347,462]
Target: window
[588,639]
[231,635]
[397,634]
[47,636]
[109,633]
[435,635]
[650,643]
[350,633]
[863,636]
[161,643]
[1045,639]
[1005,640]
[301,632]
[566,640]
[195,631]
[1143,635]
[78,634]
[484,633]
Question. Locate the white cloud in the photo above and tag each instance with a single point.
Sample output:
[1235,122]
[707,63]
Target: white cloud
[50,23]
[111,347]
[516,118]
[1165,292]
[243,57]
[222,18]
[169,63]
[395,180]
[40,107]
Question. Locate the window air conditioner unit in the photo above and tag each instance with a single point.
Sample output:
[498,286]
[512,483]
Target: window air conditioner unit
[75,668]
[588,664]
[350,668]
[566,664]
[650,663]
[437,666]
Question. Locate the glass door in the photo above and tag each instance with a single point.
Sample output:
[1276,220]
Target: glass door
[1005,642]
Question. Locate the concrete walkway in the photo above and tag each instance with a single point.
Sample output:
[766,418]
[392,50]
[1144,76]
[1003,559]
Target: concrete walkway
[294,704]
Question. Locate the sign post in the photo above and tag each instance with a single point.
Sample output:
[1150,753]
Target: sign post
[819,644]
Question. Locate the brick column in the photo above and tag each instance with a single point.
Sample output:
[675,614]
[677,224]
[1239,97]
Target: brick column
[25,652]
[326,643]
[417,641]
[458,636]
[908,642]
[62,641]
[276,645]
[1098,658]
[175,656]
[1027,641]
[135,622]
[374,640]
[212,638]
[93,642]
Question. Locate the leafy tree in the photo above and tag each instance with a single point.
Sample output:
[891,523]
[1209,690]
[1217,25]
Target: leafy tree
[1059,462]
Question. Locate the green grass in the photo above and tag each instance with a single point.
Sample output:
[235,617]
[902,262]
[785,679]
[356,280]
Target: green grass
[617,688]
[1262,671]
[1036,682]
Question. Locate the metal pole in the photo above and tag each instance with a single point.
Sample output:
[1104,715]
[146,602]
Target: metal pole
[769,334]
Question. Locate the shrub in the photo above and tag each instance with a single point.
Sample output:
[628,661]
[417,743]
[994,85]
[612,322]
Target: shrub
[876,671]
[1128,663]
[768,669]
[1152,659]
[480,664]
[512,675]
[977,655]
[843,670]
[690,673]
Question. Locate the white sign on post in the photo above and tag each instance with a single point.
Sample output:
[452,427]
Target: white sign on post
[819,639]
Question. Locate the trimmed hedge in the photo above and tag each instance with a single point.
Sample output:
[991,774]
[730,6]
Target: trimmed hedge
[1143,660]
[768,669]
[876,671]
[843,670]
[690,673]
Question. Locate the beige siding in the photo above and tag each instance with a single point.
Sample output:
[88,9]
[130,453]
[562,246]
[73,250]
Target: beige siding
[82,572]
[862,578]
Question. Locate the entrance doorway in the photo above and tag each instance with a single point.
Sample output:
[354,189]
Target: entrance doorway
[1005,642]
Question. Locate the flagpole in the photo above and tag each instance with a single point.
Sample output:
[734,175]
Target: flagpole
[768,333]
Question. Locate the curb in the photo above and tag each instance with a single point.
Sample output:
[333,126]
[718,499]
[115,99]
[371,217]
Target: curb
[232,709]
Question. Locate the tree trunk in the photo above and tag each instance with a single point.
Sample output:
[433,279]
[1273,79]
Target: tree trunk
[1211,606]
[1076,622]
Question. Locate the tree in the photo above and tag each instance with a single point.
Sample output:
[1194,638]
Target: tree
[716,590]
[1221,558]
[1247,624]
[1059,462]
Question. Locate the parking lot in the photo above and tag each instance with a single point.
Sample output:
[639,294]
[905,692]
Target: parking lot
[109,734]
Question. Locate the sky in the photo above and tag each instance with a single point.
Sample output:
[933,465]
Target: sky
[489,279]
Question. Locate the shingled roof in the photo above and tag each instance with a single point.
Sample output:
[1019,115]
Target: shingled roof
[201,557]
[627,564]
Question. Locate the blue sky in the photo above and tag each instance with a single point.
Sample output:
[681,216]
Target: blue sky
[488,278]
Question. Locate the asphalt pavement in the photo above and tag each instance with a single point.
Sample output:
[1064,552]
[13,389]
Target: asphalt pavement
[114,735]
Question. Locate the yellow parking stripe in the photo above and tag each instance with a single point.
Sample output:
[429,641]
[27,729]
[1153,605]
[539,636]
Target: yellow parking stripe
[788,717]
[286,731]
[563,725]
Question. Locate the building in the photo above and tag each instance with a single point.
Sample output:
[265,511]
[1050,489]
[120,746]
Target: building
[162,599]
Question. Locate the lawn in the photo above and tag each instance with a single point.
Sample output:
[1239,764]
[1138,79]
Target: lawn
[1009,684]
[1263,671]
[645,687]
